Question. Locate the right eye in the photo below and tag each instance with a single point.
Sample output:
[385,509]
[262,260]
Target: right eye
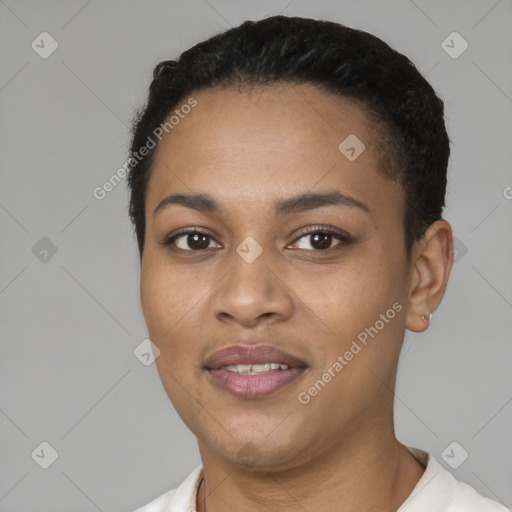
[190,240]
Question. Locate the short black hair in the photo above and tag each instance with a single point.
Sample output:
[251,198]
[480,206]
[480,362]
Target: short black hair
[351,63]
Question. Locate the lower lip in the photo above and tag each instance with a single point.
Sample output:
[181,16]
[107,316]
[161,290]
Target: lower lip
[254,386]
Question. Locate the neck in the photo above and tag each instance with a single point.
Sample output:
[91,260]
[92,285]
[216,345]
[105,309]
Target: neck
[371,471]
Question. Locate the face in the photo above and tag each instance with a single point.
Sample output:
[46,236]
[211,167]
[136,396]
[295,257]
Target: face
[294,245]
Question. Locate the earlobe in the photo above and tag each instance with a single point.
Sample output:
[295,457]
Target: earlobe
[430,270]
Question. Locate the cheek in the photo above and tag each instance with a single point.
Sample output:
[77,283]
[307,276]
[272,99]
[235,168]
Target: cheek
[352,297]
[167,302]
[170,295]
[159,298]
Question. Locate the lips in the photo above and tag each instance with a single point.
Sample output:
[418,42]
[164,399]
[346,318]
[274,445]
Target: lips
[253,385]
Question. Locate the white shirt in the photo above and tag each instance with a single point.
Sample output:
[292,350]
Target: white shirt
[436,491]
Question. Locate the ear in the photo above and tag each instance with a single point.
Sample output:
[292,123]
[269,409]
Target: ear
[432,259]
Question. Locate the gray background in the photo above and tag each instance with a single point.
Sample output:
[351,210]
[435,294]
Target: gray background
[70,322]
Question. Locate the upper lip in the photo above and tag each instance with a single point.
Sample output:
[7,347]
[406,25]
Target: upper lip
[251,354]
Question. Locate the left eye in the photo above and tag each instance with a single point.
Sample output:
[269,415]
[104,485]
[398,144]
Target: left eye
[320,240]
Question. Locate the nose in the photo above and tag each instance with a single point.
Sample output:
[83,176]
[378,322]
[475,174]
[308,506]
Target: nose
[251,293]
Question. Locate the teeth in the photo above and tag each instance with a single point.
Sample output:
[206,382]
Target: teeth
[260,367]
[254,369]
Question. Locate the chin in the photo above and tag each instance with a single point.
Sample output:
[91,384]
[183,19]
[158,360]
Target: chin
[259,452]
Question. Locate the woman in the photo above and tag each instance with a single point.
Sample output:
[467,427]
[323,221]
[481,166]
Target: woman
[287,185]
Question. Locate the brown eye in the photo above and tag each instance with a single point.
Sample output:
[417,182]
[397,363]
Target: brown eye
[190,241]
[197,240]
[321,240]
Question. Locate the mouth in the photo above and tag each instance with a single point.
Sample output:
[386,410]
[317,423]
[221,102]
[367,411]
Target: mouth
[253,371]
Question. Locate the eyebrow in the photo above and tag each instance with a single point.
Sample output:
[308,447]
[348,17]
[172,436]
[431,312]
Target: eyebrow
[301,203]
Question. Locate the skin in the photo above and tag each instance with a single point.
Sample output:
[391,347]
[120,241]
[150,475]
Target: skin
[248,149]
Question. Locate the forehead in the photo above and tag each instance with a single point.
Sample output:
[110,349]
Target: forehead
[251,145]
[233,120]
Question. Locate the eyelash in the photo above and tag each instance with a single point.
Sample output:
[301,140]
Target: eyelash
[344,239]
